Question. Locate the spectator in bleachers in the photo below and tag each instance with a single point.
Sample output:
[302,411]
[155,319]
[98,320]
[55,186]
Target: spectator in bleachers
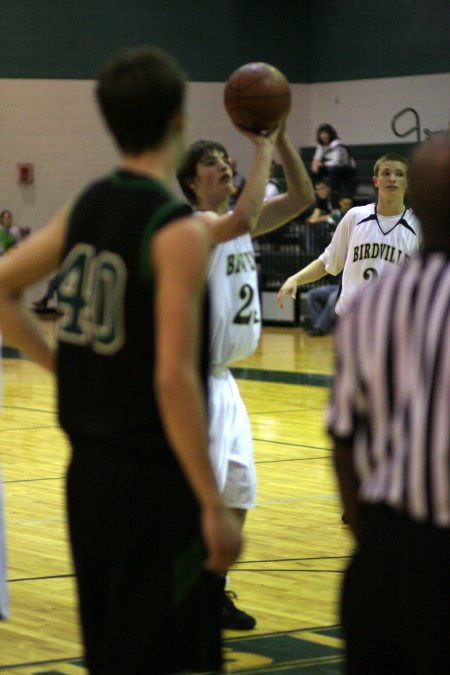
[333,160]
[345,204]
[327,202]
[9,235]
[318,228]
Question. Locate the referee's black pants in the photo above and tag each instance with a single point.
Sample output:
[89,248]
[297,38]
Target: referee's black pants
[396,597]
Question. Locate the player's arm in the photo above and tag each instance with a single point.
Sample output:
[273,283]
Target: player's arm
[299,195]
[179,255]
[307,275]
[244,218]
[348,482]
[314,216]
[330,262]
[30,262]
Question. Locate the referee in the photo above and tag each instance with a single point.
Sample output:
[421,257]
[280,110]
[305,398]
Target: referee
[390,420]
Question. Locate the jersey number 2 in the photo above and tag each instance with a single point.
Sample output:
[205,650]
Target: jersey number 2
[244,315]
[91,296]
[370,274]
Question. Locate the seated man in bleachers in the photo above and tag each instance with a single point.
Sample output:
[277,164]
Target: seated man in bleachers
[318,227]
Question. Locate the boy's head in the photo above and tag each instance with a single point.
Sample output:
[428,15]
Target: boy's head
[139,92]
[345,203]
[322,188]
[390,175]
[325,134]
[199,153]
[390,157]
[6,219]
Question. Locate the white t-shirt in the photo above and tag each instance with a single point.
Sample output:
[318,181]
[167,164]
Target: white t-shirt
[272,190]
[334,155]
[365,244]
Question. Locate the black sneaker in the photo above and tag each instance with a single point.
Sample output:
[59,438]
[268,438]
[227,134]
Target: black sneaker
[232,617]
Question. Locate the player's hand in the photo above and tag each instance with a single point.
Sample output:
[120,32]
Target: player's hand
[223,538]
[288,288]
[316,166]
[313,220]
[261,137]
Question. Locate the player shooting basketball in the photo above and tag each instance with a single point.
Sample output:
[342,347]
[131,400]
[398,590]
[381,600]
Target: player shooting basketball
[206,179]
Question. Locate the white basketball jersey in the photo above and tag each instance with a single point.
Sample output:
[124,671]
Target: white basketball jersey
[365,244]
[235,305]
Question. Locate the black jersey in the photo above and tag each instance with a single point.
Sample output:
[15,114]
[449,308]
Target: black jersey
[106,334]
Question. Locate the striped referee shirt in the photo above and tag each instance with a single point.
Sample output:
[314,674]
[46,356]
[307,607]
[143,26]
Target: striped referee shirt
[391,394]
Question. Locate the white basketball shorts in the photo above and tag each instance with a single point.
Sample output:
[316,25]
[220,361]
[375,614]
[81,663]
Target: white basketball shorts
[230,441]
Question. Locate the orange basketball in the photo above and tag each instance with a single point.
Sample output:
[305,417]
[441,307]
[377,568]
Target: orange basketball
[257,97]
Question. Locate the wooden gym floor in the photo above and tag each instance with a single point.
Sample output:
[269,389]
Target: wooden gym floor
[290,573]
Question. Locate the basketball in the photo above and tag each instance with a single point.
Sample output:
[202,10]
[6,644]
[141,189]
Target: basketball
[257,97]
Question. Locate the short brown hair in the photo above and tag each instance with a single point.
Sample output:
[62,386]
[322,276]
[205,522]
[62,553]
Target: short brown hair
[138,93]
[390,157]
